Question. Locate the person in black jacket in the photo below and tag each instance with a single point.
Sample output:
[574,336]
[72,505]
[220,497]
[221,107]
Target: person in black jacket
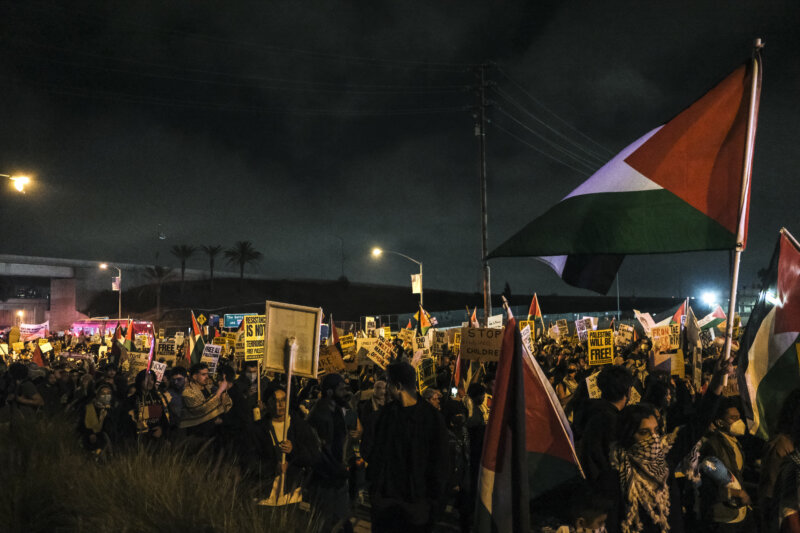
[407,458]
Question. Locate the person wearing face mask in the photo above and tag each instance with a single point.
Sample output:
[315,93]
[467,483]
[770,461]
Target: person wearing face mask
[96,422]
[646,493]
[726,507]
[174,396]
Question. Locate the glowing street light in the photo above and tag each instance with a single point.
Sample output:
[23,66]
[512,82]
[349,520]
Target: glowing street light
[709,298]
[18,182]
[118,288]
[377,252]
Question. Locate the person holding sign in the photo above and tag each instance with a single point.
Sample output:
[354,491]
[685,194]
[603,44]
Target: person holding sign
[202,408]
[148,409]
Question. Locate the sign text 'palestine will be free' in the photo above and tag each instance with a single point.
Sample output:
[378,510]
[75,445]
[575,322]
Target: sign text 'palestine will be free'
[601,347]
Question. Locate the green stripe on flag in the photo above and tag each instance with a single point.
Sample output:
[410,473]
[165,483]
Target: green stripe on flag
[781,378]
[650,221]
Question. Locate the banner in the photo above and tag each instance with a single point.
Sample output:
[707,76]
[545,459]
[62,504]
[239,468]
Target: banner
[416,283]
[29,332]
[601,347]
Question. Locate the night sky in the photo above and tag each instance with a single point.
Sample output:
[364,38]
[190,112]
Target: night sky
[306,127]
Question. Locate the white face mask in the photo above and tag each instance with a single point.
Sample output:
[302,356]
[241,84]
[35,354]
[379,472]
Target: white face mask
[738,428]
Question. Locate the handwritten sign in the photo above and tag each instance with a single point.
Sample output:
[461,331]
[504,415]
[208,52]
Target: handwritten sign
[601,347]
[330,360]
[495,321]
[159,369]
[481,344]
[661,338]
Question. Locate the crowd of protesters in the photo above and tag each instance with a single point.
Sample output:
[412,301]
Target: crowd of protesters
[659,452]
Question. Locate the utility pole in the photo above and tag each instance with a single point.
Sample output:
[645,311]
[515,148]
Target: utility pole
[480,132]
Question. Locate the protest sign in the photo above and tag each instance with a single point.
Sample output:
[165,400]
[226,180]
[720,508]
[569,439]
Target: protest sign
[141,341]
[382,353]
[661,340]
[366,343]
[563,328]
[481,344]
[158,369]
[369,325]
[347,342]
[179,338]
[426,374]
[456,348]
[46,347]
[137,362]
[707,337]
[288,320]
[254,337]
[601,347]
[162,333]
[580,328]
[590,321]
[591,386]
[527,339]
[330,360]
[406,335]
[674,336]
[220,341]
[210,356]
[678,363]
[29,332]
[495,321]
[531,323]
[625,333]
[18,346]
[387,332]
[646,321]
[165,349]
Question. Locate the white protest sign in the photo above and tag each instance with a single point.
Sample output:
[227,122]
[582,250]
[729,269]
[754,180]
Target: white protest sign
[481,344]
[211,353]
[591,385]
[580,328]
[159,369]
[179,338]
[626,333]
[645,320]
[495,321]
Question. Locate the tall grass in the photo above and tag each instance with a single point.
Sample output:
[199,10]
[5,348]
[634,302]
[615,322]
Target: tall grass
[49,484]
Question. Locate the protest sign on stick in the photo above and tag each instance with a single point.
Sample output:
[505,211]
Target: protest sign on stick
[426,374]
[300,322]
[254,326]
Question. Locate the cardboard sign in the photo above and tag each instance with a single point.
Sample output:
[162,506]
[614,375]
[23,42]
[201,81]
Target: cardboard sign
[481,344]
[495,321]
[366,343]
[426,374]
[330,360]
[283,321]
[661,338]
[382,353]
[137,362]
[591,385]
[254,326]
[626,333]
[674,336]
[601,347]
[211,353]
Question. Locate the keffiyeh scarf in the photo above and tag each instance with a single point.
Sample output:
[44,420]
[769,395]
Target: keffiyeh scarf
[643,475]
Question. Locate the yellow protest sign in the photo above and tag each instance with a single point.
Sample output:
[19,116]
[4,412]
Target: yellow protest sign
[18,346]
[601,347]
[387,332]
[42,341]
[254,337]
[674,336]
[347,342]
[426,374]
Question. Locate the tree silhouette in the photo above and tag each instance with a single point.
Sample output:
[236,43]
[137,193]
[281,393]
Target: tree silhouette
[241,254]
[212,251]
[159,275]
[183,252]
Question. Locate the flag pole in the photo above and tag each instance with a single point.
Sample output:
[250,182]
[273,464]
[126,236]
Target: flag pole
[744,199]
[791,238]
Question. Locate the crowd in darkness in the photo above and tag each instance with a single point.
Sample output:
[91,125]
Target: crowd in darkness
[660,452]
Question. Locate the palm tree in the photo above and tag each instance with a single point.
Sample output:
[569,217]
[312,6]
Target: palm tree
[241,254]
[158,274]
[211,251]
[183,252]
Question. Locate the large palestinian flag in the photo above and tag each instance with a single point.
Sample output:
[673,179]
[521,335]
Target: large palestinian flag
[768,359]
[713,319]
[528,448]
[675,189]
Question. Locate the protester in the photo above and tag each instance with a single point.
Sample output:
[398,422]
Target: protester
[23,397]
[407,458]
[147,408]
[433,397]
[97,420]
[202,408]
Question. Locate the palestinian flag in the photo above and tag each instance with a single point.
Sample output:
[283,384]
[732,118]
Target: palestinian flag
[196,342]
[37,356]
[423,321]
[770,348]
[116,343]
[676,189]
[534,310]
[713,319]
[528,447]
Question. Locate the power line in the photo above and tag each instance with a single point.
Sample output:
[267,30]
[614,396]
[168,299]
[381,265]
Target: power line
[589,164]
[522,108]
[537,149]
[564,122]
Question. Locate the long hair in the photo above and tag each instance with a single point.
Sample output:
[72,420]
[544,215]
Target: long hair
[630,419]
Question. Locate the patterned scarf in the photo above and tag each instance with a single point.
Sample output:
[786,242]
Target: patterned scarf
[643,475]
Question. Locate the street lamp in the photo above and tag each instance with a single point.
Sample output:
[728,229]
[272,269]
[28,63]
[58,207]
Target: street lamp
[18,182]
[20,314]
[104,266]
[376,252]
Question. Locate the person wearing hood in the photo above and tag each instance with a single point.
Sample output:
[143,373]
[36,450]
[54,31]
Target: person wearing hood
[147,408]
[726,507]
[97,421]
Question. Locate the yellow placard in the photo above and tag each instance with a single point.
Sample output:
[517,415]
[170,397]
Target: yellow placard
[601,347]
